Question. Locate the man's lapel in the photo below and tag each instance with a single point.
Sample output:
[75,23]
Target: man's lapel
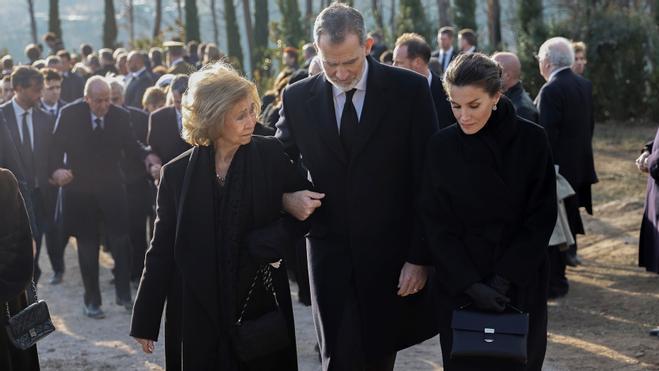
[321,107]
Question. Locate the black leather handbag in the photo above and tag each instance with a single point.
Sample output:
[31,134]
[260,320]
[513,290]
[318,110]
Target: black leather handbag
[266,334]
[487,334]
[29,325]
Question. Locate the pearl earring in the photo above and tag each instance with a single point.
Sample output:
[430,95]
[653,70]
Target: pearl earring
[494,108]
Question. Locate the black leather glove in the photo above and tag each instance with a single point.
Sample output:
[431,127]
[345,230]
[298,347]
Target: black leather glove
[500,284]
[487,298]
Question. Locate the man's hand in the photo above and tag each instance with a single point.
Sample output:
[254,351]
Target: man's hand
[301,204]
[412,279]
[147,345]
[61,177]
[154,171]
[152,159]
[642,162]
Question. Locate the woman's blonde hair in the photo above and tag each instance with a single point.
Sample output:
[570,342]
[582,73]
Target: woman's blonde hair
[212,92]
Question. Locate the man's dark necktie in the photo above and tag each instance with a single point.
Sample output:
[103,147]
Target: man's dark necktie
[98,128]
[26,151]
[349,122]
[444,59]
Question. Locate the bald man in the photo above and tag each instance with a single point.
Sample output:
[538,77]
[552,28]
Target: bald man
[138,80]
[95,136]
[512,86]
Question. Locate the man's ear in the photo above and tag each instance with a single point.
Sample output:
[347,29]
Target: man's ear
[368,44]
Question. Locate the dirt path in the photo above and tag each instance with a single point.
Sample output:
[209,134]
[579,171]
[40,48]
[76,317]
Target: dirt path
[601,325]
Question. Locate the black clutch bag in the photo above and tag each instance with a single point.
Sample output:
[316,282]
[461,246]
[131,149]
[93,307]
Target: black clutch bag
[29,325]
[266,334]
[486,334]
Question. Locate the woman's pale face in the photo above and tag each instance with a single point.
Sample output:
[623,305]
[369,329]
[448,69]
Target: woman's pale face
[239,122]
[472,107]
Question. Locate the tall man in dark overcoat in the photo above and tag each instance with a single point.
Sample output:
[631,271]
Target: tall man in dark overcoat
[361,129]
[565,107]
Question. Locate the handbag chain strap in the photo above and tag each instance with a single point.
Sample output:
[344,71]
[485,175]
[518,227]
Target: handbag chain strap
[267,282]
[36,299]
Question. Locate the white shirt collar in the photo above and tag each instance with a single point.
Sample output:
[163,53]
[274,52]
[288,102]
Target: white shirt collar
[177,61]
[94,117]
[429,78]
[556,71]
[136,74]
[361,85]
[47,106]
[471,50]
[18,109]
[449,51]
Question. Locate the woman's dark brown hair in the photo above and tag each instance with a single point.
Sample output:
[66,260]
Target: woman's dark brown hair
[475,69]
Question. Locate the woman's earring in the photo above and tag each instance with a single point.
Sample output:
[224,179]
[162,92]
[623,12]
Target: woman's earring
[494,108]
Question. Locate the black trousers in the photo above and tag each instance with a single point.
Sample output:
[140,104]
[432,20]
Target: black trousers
[46,226]
[88,251]
[348,354]
[558,283]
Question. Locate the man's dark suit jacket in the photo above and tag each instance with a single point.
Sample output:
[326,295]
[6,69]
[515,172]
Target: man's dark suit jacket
[365,230]
[164,137]
[442,106]
[95,160]
[139,123]
[73,87]
[436,54]
[136,88]
[565,107]
[60,105]
[43,124]
[522,102]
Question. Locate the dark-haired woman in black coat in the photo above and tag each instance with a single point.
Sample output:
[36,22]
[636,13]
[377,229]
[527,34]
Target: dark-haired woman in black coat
[489,208]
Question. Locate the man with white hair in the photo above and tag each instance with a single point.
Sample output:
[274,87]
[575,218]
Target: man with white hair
[95,135]
[566,112]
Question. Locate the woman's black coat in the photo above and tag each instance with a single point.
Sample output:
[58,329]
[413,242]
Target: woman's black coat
[190,246]
[489,207]
[15,270]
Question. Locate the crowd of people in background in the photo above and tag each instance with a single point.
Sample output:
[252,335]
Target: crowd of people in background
[87,134]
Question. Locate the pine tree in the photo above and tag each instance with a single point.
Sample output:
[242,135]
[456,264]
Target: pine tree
[412,18]
[494,23]
[465,14]
[54,24]
[191,21]
[158,19]
[290,26]
[531,34]
[234,48]
[109,26]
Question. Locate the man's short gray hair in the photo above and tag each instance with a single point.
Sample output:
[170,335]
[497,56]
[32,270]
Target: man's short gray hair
[337,21]
[95,81]
[558,51]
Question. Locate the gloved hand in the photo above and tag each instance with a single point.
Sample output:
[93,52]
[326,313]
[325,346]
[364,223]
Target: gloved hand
[500,284]
[487,298]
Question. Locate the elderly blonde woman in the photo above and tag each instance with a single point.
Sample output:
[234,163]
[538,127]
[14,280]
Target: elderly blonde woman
[220,227]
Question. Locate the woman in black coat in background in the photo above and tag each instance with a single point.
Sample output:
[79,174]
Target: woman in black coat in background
[15,271]
[489,208]
[218,221]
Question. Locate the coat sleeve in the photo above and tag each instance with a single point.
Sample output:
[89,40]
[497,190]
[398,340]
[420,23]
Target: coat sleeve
[454,269]
[15,240]
[60,141]
[133,149]
[425,125]
[528,248]
[549,116]
[158,267]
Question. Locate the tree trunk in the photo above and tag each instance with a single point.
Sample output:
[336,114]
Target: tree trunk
[308,19]
[494,23]
[33,22]
[216,32]
[261,30]
[109,25]
[234,50]
[158,20]
[392,19]
[444,8]
[54,24]
[131,22]
[191,21]
[377,14]
[247,16]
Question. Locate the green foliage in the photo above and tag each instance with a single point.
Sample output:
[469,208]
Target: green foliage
[53,18]
[109,26]
[412,18]
[623,58]
[290,27]
[531,33]
[465,14]
[191,21]
[234,49]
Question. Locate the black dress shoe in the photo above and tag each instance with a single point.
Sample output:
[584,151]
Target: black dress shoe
[571,260]
[126,303]
[57,278]
[93,311]
[654,332]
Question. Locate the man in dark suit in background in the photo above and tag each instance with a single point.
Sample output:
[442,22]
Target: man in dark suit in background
[95,135]
[177,63]
[52,89]
[361,129]
[513,88]
[565,109]
[412,52]
[72,84]
[140,80]
[31,131]
[446,53]
[165,125]
[467,41]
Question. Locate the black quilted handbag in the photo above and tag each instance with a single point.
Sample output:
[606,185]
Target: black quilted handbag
[266,334]
[29,325]
[494,335]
